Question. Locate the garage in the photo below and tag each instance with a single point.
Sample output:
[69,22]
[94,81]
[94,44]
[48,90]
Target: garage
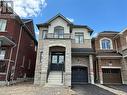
[79,75]
[111,76]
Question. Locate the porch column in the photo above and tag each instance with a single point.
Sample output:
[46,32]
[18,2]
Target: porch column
[91,69]
[44,65]
[124,71]
[100,71]
[68,66]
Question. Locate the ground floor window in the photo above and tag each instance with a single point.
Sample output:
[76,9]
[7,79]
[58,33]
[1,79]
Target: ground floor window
[2,67]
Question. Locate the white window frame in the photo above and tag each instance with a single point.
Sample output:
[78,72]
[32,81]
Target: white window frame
[79,42]
[44,32]
[3,23]
[111,45]
[58,32]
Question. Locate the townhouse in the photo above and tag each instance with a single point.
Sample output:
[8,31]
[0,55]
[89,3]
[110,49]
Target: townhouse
[17,48]
[110,60]
[65,54]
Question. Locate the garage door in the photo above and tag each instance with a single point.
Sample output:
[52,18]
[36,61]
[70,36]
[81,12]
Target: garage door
[79,75]
[112,76]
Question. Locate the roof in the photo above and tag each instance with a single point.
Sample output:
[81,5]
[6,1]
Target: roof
[109,54]
[115,32]
[82,50]
[26,20]
[83,26]
[59,15]
[46,24]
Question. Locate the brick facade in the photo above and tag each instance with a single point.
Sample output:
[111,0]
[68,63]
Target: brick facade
[21,43]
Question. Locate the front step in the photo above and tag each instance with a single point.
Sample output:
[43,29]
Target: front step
[55,79]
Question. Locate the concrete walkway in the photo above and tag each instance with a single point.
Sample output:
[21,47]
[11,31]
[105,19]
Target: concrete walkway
[117,92]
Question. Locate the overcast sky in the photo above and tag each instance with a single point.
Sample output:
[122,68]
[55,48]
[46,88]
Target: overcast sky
[100,15]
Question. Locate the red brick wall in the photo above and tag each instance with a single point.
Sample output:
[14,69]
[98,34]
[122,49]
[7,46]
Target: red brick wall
[27,46]
[97,40]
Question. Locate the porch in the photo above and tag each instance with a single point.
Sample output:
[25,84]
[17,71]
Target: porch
[6,61]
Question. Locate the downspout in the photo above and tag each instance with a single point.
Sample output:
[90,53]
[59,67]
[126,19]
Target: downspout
[17,52]
[9,63]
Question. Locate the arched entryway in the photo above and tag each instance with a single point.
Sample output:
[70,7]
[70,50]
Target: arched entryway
[57,58]
[79,75]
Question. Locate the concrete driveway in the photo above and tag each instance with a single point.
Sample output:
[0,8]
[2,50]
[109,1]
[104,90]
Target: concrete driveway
[118,87]
[90,89]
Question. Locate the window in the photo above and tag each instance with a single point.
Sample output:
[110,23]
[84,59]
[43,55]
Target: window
[54,59]
[79,37]
[23,62]
[2,25]
[106,44]
[2,67]
[58,32]
[44,32]
[29,64]
[61,59]
[2,54]
[126,39]
[41,57]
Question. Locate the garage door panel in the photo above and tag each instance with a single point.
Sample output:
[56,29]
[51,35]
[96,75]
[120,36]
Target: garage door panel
[79,75]
[111,76]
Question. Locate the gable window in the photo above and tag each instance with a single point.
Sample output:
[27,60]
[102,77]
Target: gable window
[2,25]
[58,32]
[79,37]
[106,44]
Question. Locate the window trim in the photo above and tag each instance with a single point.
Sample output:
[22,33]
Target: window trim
[111,46]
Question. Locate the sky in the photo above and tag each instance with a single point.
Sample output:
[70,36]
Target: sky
[100,15]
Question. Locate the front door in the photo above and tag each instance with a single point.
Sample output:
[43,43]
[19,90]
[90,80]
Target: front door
[57,61]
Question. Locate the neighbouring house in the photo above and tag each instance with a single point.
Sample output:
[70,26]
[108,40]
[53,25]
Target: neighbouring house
[121,43]
[17,48]
[65,54]
[110,64]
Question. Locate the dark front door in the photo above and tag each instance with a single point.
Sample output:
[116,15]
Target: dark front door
[79,75]
[57,61]
[112,76]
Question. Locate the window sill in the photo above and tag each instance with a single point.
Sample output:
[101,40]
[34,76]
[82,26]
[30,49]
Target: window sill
[106,49]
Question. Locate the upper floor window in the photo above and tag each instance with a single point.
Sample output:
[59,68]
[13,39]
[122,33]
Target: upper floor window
[126,39]
[2,25]
[79,37]
[106,44]
[58,32]
[44,32]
